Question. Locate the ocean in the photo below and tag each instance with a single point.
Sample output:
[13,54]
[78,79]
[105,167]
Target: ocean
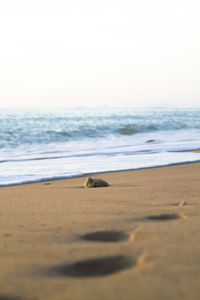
[45,144]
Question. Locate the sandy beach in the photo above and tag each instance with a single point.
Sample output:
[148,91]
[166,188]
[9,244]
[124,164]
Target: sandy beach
[136,239]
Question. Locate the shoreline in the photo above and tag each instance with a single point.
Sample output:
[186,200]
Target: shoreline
[105,172]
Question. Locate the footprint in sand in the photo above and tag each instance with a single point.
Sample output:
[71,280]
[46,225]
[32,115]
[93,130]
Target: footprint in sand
[7,297]
[163,217]
[99,266]
[105,236]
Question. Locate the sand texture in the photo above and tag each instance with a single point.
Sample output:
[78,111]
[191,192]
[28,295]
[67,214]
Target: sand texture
[139,238]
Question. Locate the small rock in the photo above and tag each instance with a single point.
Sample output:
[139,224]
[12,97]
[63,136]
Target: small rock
[95,182]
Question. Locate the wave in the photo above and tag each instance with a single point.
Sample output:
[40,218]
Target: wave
[130,129]
[34,127]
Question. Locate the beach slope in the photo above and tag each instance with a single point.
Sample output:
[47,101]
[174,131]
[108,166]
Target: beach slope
[138,238]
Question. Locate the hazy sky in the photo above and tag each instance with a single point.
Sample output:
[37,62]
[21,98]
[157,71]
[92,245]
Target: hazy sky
[108,52]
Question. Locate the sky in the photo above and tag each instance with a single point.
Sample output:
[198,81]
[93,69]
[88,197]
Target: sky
[57,53]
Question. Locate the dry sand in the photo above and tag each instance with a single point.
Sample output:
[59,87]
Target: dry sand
[147,221]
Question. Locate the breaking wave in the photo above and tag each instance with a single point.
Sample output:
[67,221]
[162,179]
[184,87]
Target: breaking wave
[31,127]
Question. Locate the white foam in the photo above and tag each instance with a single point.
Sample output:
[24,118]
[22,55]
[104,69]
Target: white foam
[21,172]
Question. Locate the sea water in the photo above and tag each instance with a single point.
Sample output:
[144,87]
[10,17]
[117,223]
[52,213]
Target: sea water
[44,144]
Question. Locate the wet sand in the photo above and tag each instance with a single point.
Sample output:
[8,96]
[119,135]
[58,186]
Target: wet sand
[139,238]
